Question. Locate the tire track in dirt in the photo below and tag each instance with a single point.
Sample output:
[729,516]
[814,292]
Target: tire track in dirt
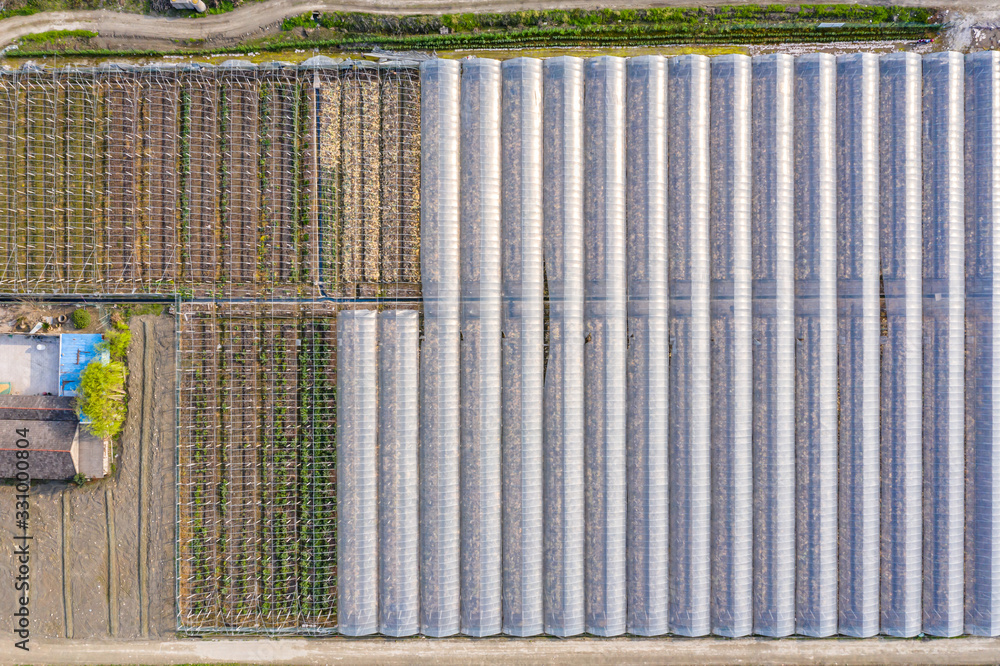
[147,395]
[109,501]
[67,581]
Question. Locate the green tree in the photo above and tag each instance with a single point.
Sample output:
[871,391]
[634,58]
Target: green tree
[101,397]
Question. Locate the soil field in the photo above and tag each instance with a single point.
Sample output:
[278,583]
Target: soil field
[281,252]
[81,123]
[10,243]
[238,181]
[326,98]
[160,96]
[122,244]
[103,560]
[257,456]
[369,166]
[200,207]
[203,182]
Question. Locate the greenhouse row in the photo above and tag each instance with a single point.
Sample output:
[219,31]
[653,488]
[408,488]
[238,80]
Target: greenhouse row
[707,347]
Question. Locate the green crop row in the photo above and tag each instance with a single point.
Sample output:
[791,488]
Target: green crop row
[265,237]
[183,178]
[53,35]
[365,23]
[224,176]
[301,178]
[293,570]
[640,36]
[735,25]
[317,453]
[203,570]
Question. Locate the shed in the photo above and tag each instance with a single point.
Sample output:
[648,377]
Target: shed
[58,448]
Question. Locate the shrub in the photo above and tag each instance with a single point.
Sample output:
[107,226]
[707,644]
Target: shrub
[101,397]
[129,311]
[52,35]
[80,479]
[117,340]
[81,318]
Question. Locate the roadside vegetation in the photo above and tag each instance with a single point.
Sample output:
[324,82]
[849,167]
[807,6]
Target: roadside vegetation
[361,23]
[736,24]
[52,35]
[744,24]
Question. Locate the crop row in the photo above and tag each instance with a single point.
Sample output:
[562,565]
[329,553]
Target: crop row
[359,22]
[369,156]
[640,35]
[257,473]
[195,183]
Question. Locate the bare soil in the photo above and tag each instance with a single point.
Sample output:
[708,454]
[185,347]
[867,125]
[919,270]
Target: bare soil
[103,560]
[32,312]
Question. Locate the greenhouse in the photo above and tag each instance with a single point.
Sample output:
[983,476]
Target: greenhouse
[686,345]
[708,348]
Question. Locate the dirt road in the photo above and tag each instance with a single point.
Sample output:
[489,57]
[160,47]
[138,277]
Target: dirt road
[510,652]
[259,18]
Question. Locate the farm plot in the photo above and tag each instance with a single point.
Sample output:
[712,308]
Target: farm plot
[11,236]
[199,480]
[307,214]
[81,131]
[256,469]
[282,252]
[244,215]
[368,129]
[39,140]
[122,240]
[355,194]
[159,92]
[199,223]
[329,126]
[223,182]
[238,180]
[400,228]
[50,145]
[90,194]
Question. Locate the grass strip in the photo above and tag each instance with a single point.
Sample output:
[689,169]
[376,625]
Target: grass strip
[532,38]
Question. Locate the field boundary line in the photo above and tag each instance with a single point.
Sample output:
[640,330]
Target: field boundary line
[67,581]
[109,501]
[147,389]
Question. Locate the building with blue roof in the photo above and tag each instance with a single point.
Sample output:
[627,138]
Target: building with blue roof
[76,350]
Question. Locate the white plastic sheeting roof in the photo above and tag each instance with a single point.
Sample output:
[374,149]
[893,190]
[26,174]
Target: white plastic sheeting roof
[709,346]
